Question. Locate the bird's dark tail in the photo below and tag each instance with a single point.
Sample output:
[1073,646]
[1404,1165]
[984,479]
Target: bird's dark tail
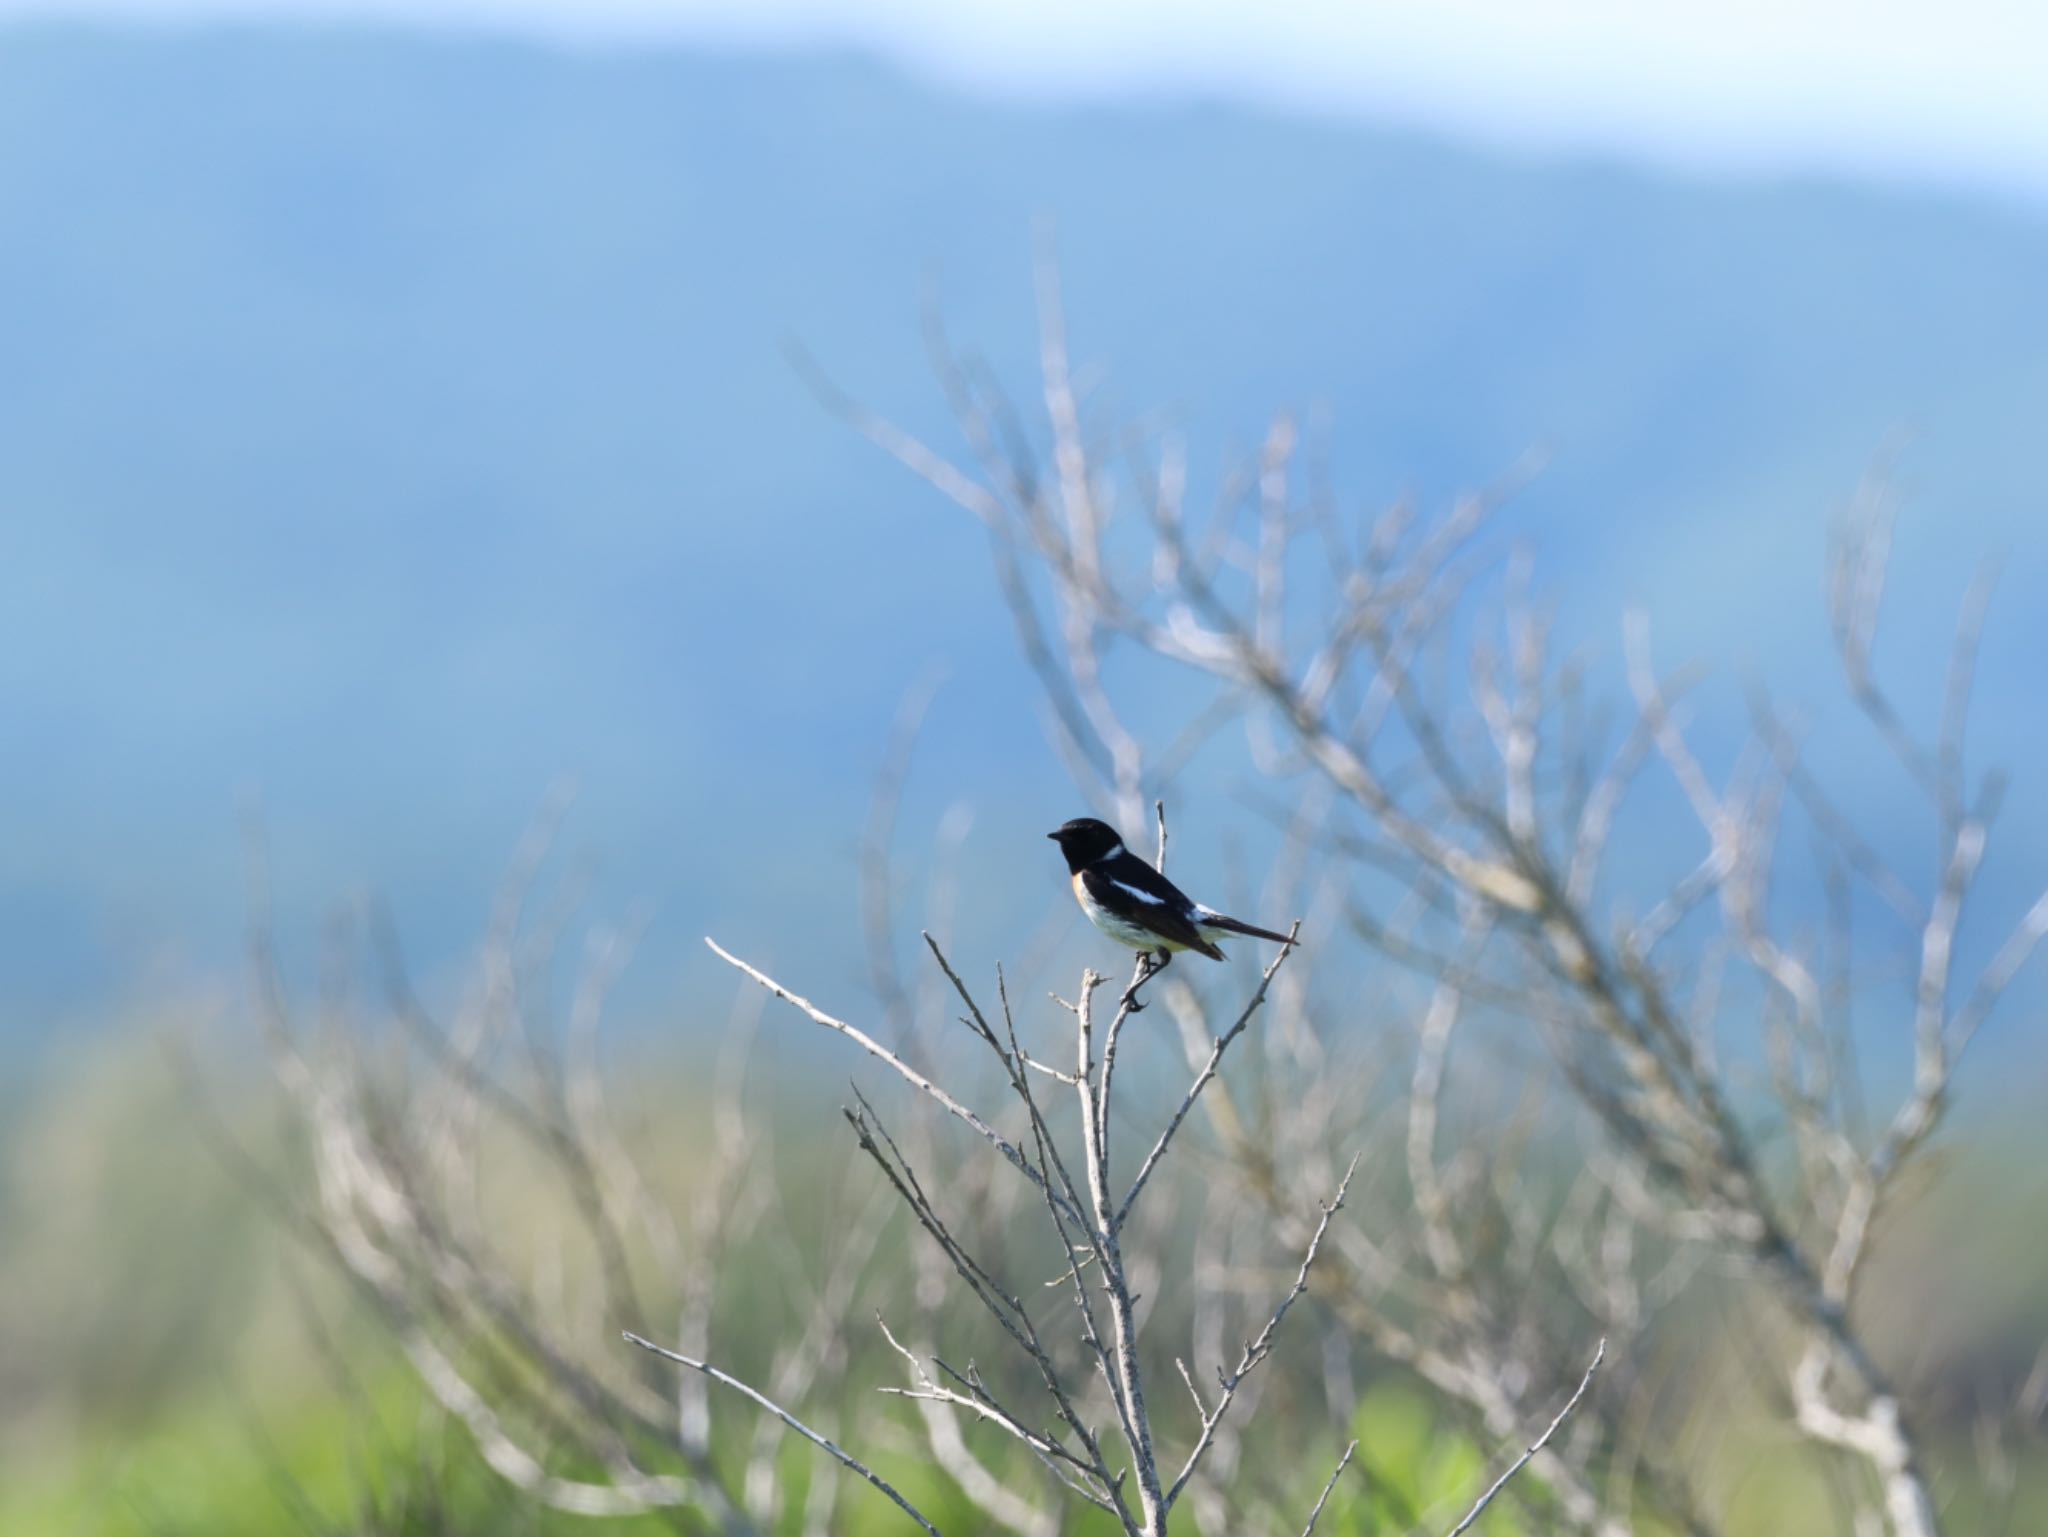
[1232,926]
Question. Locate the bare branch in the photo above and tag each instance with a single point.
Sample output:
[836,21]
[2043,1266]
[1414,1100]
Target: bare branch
[795,1424]
[909,1074]
[1202,1078]
[1535,1446]
[1261,1347]
[1324,1498]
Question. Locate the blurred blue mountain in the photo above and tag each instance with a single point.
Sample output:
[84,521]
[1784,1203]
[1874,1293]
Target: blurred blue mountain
[394,425]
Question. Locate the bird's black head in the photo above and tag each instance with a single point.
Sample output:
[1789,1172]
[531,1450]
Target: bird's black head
[1084,840]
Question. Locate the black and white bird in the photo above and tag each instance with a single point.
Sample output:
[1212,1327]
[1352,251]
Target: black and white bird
[1137,906]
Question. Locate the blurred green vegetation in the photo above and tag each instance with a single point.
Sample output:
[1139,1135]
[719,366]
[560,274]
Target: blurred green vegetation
[175,1363]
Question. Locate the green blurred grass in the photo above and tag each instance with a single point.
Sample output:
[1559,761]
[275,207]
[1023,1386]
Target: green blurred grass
[160,1374]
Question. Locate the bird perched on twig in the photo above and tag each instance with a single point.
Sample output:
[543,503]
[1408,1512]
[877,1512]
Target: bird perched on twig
[1137,906]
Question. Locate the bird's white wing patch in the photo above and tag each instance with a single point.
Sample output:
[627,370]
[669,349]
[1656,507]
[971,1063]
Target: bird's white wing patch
[1142,896]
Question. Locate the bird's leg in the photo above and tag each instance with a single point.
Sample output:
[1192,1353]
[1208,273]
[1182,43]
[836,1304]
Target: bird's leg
[1151,963]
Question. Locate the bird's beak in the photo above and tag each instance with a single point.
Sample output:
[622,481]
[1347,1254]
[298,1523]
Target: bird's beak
[1054,836]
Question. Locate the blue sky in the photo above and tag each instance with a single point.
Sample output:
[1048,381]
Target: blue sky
[1948,94]
[401,422]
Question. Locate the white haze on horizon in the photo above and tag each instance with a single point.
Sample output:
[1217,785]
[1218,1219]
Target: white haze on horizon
[1884,90]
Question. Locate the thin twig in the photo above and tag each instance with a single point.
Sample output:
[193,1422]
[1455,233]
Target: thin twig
[1202,1077]
[1316,1515]
[792,1422]
[1535,1446]
[909,1074]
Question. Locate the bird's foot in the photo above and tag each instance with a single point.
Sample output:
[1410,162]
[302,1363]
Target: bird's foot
[1149,966]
